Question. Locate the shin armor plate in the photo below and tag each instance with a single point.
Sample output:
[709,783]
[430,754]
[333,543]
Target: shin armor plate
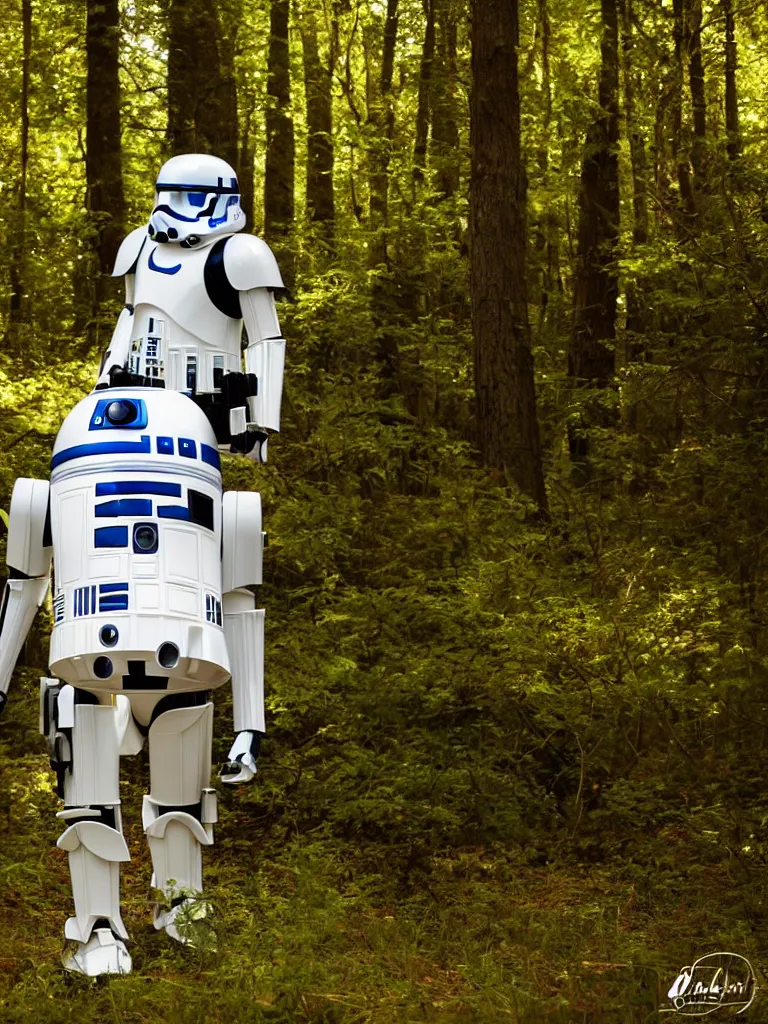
[179,812]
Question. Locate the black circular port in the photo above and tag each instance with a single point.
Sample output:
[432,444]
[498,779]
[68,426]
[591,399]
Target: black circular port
[121,413]
[145,538]
[102,668]
[193,240]
[109,636]
[168,655]
[173,233]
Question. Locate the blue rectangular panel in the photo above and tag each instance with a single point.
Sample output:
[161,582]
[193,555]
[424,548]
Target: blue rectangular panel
[81,451]
[187,448]
[114,603]
[111,588]
[210,455]
[138,487]
[165,446]
[111,537]
[173,512]
[86,600]
[124,507]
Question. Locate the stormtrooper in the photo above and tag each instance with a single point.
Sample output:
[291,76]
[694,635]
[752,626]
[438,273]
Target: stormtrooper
[191,282]
[154,566]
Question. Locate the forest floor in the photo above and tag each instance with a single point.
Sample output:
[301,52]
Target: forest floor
[308,929]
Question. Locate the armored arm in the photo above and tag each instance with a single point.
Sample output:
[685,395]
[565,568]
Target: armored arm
[29,566]
[251,269]
[242,547]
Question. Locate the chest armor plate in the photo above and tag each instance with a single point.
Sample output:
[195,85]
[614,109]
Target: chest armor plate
[175,281]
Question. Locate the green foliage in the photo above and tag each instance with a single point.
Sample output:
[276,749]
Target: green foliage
[512,769]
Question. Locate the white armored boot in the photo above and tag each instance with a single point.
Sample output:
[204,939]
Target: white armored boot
[95,853]
[85,740]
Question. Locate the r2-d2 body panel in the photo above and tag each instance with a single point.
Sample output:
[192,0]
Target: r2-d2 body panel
[179,333]
[136,531]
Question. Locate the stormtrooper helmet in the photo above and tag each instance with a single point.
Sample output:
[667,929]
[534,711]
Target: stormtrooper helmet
[197,198]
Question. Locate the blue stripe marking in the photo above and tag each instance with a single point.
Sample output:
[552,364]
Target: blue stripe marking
[173,512]
[110,588]
[80,451]
[165,446]
[87,601]
[111,537]
[93,600]
[79,601]
[176,267]
[124,507]
[138,487]
[210,455]
[187,448]
[116,603]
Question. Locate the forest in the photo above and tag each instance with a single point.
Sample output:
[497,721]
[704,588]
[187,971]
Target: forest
[516,586]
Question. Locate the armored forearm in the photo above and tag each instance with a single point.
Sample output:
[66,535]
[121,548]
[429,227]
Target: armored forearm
[265,355]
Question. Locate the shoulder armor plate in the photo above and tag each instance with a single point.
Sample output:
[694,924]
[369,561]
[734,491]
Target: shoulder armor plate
[129,251]
[249,263]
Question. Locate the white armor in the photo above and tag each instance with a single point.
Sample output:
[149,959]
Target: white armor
[153,608]
[191,285]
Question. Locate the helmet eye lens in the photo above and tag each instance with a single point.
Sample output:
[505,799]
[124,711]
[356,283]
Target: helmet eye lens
[197,199]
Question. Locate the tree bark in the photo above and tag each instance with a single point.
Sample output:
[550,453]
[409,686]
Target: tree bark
[424,99]
[445,129]
[596,280]
[103,160]
[636,305]
[280,161]
[103,163]
[678,153]
[320,150]
[18,310]
[381,123]
[202,95]
[245,161]
[507,425]
[733,145]
[692,10]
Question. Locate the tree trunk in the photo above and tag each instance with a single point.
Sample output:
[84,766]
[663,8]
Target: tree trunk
[507,426]
[381,123]
[445,129]
[547,230]
[698,99]
[18,311]
[281,154]
[103,162]
[245,161]
[424,100]
[731,99]
[320,151]
[202,96]
[636,304]
[596,279]
[678,152]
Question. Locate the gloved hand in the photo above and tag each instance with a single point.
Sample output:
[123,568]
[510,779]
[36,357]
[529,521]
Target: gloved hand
[241,760]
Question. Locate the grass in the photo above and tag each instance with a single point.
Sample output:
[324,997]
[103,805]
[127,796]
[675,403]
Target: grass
[311,929]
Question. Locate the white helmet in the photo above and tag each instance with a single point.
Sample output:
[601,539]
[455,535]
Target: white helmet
[197,197]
